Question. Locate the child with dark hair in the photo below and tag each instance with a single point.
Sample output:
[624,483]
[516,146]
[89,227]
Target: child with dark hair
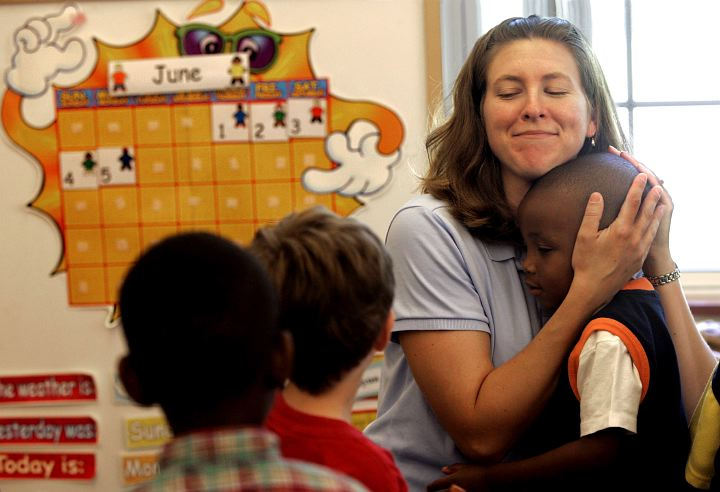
[200,318]
[335,284]
[615,420]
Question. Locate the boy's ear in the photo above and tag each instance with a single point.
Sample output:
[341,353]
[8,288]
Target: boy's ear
[281,360]
[132,384]
[384,336]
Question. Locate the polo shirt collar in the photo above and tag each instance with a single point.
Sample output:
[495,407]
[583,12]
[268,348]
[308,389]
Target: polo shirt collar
[501,251]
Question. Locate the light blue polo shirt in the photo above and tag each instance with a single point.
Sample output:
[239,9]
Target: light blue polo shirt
[446,279]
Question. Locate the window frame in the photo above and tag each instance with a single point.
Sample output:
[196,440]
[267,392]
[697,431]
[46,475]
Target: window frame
[701,288]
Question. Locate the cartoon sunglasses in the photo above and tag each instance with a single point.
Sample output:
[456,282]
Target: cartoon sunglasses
[201,39]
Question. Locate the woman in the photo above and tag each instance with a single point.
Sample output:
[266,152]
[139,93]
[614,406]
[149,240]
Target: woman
[469,368]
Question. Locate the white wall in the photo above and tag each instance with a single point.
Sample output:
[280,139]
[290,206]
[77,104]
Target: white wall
[369,50]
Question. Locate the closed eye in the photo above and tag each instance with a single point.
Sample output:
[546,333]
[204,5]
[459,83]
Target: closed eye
[543,250]
[507,95]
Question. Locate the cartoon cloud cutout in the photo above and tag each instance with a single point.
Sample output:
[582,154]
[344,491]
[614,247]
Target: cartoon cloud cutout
[39,57]
[362,169]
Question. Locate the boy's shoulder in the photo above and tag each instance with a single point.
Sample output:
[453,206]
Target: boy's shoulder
[333,443]
[637,306]
[292,424]
[222,459]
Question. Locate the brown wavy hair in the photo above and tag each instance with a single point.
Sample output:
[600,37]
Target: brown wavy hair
[463,170]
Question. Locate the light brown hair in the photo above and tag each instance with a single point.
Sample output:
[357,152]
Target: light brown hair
[463,170]
[335,284]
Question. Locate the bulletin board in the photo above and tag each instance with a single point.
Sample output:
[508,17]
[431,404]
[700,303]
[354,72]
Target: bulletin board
[325,104]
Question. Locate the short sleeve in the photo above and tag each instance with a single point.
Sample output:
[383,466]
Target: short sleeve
[608,384]
[434,289]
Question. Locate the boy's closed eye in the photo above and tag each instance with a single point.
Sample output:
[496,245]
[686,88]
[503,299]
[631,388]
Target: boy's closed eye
[544,249]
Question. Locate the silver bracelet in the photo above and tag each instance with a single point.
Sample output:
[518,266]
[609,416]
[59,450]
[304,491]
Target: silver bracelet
[666,278]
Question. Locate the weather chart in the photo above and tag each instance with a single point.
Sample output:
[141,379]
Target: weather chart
[197,124]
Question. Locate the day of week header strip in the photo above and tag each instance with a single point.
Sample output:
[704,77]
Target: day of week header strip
[257,91]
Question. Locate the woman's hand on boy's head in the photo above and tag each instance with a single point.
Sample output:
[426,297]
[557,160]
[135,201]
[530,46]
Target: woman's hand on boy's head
[659,260]
[461,477]
[604,260]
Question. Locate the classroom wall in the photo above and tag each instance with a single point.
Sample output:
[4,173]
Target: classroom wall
[371,50]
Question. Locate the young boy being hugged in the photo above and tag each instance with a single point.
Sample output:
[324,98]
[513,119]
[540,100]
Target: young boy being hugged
[335,284]
[615,420]
[199,317]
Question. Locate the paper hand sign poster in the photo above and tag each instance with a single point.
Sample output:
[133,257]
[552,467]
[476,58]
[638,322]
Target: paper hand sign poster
[220,127]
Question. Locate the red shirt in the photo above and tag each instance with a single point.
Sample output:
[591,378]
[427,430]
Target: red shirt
[335,444]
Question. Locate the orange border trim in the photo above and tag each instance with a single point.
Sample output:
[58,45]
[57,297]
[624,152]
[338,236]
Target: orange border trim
[638,284]
[635,348]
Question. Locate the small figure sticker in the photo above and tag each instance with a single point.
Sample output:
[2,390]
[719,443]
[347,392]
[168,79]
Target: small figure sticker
[119,77]
[237,72]
[89,163]
[125,160]
[240,116]
[279,115]
[316,112]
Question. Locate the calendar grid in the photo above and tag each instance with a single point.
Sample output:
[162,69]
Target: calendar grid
[138,169]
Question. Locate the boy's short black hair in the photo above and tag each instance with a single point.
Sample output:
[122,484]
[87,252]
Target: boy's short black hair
[335,284]
[569,186]
[199,315]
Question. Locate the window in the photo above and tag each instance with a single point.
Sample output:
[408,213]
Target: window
[659,62]
[661,65]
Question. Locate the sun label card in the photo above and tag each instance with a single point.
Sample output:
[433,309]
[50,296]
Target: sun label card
[48,430]
[48,466]
[47,388]
[178,74]
[147,432]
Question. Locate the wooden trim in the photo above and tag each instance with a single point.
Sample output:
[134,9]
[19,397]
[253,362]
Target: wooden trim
[433,54]
[48,3]
[705,308]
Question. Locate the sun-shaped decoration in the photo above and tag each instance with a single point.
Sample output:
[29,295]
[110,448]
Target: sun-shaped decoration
[120,173]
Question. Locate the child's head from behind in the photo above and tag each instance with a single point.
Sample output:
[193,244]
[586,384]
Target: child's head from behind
[200,318]
[335,284]
[552,211]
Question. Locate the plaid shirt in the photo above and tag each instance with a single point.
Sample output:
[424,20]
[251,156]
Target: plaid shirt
[245,459]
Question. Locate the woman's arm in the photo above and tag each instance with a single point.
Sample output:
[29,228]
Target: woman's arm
[695,358]
[485,408]
[578,460]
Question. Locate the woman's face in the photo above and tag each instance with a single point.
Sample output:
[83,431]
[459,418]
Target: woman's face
[536,113]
